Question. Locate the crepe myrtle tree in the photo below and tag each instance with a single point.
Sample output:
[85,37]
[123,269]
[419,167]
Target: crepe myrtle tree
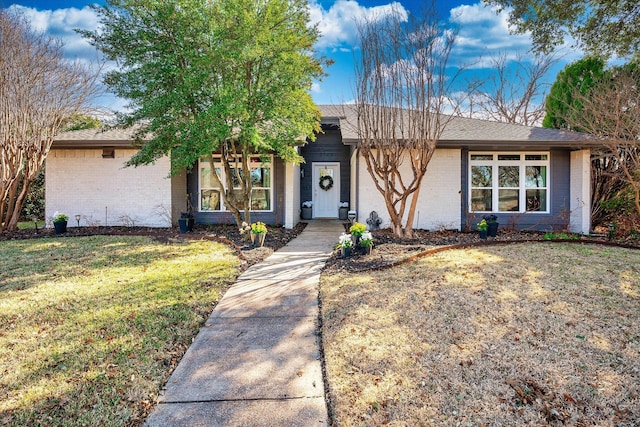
[401,91]
[39,91]
[229,79]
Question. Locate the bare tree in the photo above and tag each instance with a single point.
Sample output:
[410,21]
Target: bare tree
[39,91]
[611,111]
[401,90]
[510,92]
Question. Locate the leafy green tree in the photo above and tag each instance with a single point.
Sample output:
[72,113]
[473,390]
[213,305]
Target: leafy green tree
[577,78]
[223,77]
[602,27]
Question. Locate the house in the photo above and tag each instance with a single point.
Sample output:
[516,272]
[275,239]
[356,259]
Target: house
[529,177]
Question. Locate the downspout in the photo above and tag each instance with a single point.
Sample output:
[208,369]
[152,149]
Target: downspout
[357,186]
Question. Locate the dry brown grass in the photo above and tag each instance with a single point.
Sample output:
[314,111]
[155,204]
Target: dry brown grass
[528,334]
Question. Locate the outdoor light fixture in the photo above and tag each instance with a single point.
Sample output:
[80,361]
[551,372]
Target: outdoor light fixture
[78,220]
[351,215]
[35,222]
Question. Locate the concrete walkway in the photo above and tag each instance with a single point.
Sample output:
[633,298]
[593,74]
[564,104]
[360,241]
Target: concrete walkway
[256,362]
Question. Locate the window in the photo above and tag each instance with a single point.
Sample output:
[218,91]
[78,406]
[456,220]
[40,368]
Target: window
[261,185]
[509,182]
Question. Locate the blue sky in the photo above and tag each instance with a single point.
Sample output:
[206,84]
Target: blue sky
[482,33]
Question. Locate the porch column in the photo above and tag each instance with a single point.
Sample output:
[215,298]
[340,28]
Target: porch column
[291,195]
[580,192]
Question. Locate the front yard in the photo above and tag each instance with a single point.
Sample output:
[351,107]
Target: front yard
[522,334]
[91,327]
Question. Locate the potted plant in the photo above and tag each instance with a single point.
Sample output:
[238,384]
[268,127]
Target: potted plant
[187,220]
[492,225]
[366,242]
[357,230]
[482,229]
[60,222]
[258,233]
[344,243]
[306,212]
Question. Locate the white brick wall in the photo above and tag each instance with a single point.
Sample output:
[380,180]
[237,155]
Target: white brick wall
[439,200]
[103,192]
[580,219]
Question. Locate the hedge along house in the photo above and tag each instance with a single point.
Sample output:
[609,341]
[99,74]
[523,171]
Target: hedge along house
[530,178]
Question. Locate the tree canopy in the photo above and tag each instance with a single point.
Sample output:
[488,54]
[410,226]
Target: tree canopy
[604,102]
[230,77]
[602,27]
[577,78]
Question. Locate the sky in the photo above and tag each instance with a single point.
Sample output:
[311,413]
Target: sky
[482,33]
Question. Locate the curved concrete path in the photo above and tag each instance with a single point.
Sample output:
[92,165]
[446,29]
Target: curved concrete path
[256,362]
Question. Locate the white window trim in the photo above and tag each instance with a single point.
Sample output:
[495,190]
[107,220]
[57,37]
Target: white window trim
[522,163]
[223,208]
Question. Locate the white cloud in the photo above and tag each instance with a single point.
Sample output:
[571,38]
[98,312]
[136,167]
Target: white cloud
[61,23]
[337,25]
[484,32]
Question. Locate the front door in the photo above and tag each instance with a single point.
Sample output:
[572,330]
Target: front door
[326,189]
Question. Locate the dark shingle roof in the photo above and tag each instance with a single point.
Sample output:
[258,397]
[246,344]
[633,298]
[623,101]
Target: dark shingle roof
[461,131]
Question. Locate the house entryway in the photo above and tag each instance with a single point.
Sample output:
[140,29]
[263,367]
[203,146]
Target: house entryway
[326,189]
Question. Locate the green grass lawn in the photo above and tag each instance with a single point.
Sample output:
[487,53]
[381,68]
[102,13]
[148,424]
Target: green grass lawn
[30,225]
[91,327]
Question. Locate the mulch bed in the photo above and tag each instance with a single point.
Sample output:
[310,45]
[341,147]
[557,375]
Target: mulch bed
[389,249]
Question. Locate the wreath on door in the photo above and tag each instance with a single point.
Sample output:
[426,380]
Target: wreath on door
[326,182]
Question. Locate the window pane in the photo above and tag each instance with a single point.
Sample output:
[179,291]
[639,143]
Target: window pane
[261,200]
[481,176]
[536,176]
[535,157]
[325,172]
[508,156]
[508,176]
[481,200]
[482,157]
[237,198]
[206,180]
[536,200]
[236,176]
[261,177]
[508,200]
[210,200]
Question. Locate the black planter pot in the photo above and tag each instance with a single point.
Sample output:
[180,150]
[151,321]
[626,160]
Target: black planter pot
[186,224]
[60,227]
[482,234]
[306,213]
[492,229]
[343,213]
[346,252]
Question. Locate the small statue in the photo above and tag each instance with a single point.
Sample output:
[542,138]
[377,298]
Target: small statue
[374,221]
